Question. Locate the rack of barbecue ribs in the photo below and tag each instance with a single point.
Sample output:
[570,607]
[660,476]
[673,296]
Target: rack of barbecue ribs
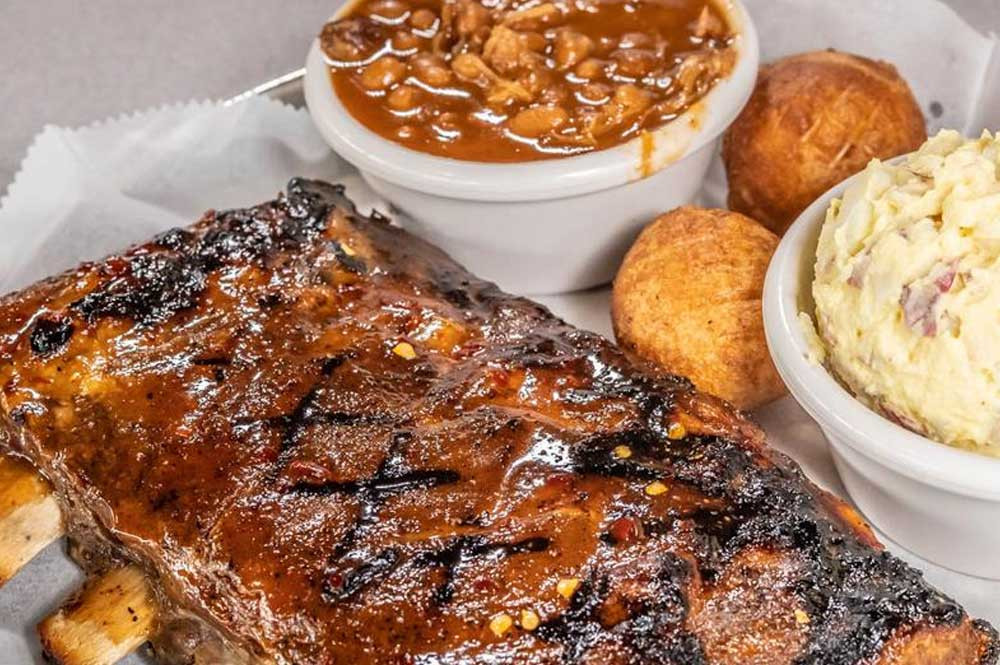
[294,434]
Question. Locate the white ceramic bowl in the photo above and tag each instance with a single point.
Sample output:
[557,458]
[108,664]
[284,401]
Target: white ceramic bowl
[941,503]
[545,226]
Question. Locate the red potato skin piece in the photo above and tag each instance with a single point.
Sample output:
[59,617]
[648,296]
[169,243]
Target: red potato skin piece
[230,408]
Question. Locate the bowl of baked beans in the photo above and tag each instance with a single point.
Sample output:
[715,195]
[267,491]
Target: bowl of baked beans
[532,139]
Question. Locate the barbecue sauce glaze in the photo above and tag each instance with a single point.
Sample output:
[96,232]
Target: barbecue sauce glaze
[332,444]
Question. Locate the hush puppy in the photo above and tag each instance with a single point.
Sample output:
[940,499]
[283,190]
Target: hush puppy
[687,298]
[813,120]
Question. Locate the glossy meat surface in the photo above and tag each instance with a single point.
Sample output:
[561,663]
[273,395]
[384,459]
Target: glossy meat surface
[330,444]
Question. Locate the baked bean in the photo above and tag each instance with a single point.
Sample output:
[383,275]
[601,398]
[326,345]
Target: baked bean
[447,126]
[587,117]
[529,61]
[537,78]
[341,49]
[431,69]
[631,99]
[571,48]
[538,120]
[590,69]
[606,43]
[471,17]
[383,73]
[441,43]
[595,93]
[513,80]
[553,95]
[634,62]
[405,41]
[533,18]
[387,9]
[534,41]
[346,41]
[423,19]
[404,98]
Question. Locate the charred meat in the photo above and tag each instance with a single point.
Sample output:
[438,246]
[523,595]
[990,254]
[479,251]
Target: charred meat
[323,441]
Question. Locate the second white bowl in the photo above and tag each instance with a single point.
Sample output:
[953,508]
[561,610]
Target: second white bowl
[939,502]
[546,226]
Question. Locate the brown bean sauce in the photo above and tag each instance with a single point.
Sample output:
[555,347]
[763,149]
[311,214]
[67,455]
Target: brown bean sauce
[513,80]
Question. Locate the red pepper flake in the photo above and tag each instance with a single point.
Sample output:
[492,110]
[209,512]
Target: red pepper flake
[625,529]
[469,349]
[116,266]
[484,586]
[412,323]
[306,471]
[498,378]
[560,481]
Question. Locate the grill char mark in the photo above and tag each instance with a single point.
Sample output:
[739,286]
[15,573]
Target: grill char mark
[50,336]
[153,286]
[465,549]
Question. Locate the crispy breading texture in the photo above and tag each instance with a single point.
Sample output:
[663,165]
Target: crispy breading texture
[688,298]
[813,120]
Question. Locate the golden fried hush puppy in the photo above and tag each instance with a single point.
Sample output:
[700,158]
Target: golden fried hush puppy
[687,298]
[813,120]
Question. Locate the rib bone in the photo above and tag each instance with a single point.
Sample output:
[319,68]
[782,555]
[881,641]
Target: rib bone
[113,614]
[110,618]
[29,516]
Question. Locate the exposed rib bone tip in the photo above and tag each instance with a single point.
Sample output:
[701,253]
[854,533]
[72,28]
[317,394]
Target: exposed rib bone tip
[30,517]
[110,618]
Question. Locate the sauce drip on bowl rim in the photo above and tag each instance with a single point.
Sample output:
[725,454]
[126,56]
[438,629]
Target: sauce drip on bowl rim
[518,81]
